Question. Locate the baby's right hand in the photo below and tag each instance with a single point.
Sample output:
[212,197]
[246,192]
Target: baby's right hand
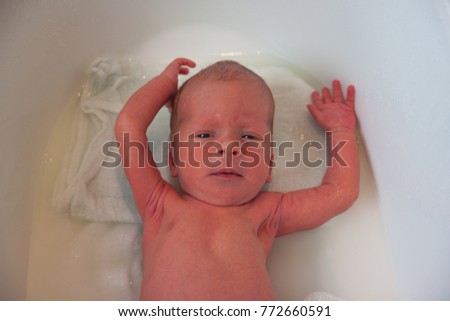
[175,68]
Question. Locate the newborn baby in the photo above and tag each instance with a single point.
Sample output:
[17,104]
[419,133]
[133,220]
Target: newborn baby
[211,242]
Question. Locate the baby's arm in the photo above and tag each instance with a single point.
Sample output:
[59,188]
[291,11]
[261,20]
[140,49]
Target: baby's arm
[131,127]
[309,208]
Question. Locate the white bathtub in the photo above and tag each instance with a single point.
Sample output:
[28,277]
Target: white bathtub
[393,244]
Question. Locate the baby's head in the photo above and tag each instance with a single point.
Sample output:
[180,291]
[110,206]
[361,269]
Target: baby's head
[221,127]
[225,70]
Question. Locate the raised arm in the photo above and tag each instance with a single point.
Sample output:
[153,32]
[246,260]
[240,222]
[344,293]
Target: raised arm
[309,208]
[131,127]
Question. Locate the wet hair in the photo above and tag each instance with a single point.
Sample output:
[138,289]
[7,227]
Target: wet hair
[224,70]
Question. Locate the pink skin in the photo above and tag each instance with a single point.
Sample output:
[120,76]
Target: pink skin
[333,112]
[225,115]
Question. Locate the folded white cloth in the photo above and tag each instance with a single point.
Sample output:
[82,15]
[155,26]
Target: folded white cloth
[297,137]
[86,190]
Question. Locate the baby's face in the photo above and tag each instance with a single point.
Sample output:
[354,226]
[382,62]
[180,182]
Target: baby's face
[221,149]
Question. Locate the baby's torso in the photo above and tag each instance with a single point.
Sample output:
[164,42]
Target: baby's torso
[198,252]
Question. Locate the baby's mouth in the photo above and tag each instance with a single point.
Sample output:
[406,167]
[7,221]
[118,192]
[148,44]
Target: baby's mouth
[227,173]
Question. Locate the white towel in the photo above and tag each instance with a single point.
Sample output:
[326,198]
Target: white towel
[293,130]
[86,190]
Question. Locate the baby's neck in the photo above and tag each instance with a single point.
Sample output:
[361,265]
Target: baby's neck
[205,204]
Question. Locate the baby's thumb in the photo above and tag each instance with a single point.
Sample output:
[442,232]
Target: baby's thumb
[314,111]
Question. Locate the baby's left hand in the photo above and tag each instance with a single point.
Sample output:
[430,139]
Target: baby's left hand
[332,112]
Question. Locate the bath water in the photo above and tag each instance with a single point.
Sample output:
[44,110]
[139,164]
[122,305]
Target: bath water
[67,256]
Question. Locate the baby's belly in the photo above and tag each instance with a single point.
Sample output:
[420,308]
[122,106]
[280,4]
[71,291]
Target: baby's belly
[199,266]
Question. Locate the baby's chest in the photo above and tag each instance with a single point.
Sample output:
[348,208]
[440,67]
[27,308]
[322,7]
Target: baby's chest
[217,232]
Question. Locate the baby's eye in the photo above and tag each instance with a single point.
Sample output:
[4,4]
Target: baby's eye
[203,135]
[249,136]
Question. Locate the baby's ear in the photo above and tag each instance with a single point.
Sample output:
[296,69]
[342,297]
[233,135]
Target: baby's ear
[172,166]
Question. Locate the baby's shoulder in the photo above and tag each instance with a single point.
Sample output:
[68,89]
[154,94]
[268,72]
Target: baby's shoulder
[265,209]
[160,199]
[270,196]
[267,201]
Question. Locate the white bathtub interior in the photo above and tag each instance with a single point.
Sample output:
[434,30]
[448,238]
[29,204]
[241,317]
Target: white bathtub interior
[393,244]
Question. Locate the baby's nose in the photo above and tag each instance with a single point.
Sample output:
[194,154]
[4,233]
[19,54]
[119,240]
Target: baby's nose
[230,148]
[234,148]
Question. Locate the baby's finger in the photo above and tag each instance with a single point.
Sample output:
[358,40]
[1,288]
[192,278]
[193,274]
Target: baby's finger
[176,66]
[326,95]
[313,110]
[351,93]
[184,62]
[184,70]
[317,100]
[337,91]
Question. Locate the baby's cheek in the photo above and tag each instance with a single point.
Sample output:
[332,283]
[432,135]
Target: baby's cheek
[254,155]
[188,154]
[209,154]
